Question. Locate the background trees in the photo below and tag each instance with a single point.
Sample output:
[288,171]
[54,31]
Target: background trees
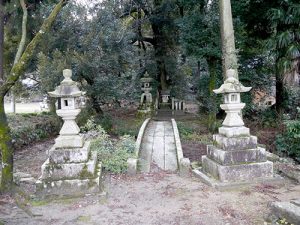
[9,81]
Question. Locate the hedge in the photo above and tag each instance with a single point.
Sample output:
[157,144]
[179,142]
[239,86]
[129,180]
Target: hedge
[29,128]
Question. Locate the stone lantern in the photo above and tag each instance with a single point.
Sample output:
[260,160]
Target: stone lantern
[146,97]
[235,158]
[70,97]
[71,168]
[231,89]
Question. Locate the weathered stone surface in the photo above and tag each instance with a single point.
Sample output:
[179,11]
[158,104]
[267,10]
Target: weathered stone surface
[296,202]
[73,187]
[20,177]
[287,210]
[63,171]
[132,166]
[234,131]
[289,170]
[235,143]
[159,147]
[69,142]
[225,186]
[66,155]
[272,157]
[234,173]
[236,157]
[184,167]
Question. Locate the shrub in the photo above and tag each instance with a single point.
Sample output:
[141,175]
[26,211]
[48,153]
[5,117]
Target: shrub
[105,121]
[288,143]
[29,128]
[85,114]
[112,154]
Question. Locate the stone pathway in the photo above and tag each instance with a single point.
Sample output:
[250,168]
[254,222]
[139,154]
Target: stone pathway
[158,147]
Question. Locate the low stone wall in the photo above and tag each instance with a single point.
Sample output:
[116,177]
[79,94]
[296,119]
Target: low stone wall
[132,162]
[184,163]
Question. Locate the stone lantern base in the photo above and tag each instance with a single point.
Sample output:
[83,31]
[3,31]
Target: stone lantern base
[235,161]
[70,172]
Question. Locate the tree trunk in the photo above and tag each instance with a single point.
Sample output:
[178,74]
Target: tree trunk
[1,41]
[15,73]
[6,150]
[279,94]
[20,49]
[160,46]
[52,106]
[198,69]
[212,67]
[96,106]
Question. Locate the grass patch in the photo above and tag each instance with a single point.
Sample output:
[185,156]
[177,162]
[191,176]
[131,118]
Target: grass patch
[128,126]
[84,218]
[194,130]
[37,203]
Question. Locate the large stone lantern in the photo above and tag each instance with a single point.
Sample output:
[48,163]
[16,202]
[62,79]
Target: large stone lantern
[235,158]
[71,168]
[146,97]
[69,96]
[233,124]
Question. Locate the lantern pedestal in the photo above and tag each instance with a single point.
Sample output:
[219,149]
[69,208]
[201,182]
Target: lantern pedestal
[234,159]
[71,169]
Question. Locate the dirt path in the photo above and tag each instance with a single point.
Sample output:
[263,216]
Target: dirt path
[158,198]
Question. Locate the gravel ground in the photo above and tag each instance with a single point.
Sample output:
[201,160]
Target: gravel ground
[157,198]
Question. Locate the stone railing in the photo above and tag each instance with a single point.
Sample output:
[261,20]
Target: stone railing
[183,163]
[132,162]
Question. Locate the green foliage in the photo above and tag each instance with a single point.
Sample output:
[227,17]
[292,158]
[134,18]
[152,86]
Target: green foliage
[29,128]
[105,121]
[288,143]
[112,153]
[189,132]
[285,42]
[127,126]
[292,100]
[206,103]
[86,113]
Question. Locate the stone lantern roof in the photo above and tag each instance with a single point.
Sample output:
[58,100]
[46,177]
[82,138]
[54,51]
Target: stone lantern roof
[231,85]
[146,78]
[67,88]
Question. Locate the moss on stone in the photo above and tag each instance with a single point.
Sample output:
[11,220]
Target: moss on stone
[85,173]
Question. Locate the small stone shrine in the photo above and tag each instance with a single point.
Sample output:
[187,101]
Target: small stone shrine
[146,98]
[234,157]
[71,168]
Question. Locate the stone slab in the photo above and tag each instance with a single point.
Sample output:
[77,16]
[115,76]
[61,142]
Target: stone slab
[145,155]
[233,143]
[235,173]
[236,157]
[234,131]
[170,154]
[296,202]
[287,210]
[70,155]
[75,141]
[54,172]
[158,152]
[69,188]
[184,167]
[225,186]
[132,166]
